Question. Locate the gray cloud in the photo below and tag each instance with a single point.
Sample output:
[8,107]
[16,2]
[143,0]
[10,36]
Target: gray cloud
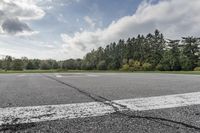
[14,15]
[13,26]
[1,13]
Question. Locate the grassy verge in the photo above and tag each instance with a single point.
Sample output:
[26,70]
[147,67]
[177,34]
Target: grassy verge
[29,71]
[173,72]
[182,72]
[97,71]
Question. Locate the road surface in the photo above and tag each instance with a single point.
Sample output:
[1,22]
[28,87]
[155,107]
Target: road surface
[107,92]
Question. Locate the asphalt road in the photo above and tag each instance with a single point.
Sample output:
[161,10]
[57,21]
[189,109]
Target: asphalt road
[49,89]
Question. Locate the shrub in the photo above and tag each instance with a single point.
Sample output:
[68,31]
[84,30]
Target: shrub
[132,69]
[17,64]
[102,65]
[125,67]
[131,62]
[186,64]
[30,65]
[160,67]
[147,67]
[45,65]
[197,69]
[134,65]
[124,61]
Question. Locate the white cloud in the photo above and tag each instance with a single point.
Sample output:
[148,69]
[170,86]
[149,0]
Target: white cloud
[19,47]
[21,9]
[61,18]
[14,15]
[50,4]
[90,21]
[27,33]
[174,18]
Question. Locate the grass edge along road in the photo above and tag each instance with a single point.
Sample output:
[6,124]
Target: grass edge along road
[97,71]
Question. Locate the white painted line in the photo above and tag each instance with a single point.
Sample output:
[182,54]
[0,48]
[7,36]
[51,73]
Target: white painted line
[76,75]
[21,75]
[59,76]
[18,115]
[161,102]
[93,75]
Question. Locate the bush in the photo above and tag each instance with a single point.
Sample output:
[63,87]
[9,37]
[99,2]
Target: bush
[89,66]
[102,65]
[29,65]
[125,67]
[160,67]
[132,69]
[134,65]
[17,64]
[186,64]
[197,69]
[45,65]
[124,61]
[147,67]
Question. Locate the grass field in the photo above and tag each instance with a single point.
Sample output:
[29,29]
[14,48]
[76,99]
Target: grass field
[97,71]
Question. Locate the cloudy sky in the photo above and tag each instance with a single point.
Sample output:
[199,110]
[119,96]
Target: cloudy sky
[62,29]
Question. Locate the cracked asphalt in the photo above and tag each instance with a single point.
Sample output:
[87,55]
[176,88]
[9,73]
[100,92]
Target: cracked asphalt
[49,89]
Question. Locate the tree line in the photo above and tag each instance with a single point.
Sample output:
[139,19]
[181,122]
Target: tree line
[141,53]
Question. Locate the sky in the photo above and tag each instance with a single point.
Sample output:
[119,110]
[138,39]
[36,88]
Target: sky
[63,29]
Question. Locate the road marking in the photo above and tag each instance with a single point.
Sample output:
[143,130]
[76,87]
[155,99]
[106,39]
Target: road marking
[77,75]
[21,75]
[59,76]
[19,115]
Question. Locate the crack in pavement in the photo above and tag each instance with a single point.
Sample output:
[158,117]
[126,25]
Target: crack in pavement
[119,107]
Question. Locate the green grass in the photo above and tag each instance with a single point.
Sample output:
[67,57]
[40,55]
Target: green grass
[29,71]
[181,72]
[97,71]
